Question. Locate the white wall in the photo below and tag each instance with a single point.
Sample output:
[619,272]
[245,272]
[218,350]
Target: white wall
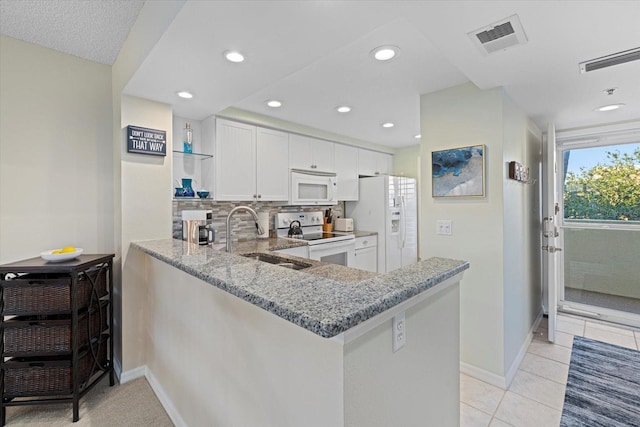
[458,117]
[56,169]
[406,161]
[498,234]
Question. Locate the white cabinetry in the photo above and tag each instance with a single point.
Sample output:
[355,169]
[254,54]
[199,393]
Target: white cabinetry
[346,161]
[299,251]
[366,253]
[272,165]
[372,163]
[251,163]
[310,153]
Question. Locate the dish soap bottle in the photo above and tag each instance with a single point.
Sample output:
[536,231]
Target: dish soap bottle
[188,138]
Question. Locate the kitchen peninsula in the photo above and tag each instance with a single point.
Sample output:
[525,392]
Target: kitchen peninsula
[235,341]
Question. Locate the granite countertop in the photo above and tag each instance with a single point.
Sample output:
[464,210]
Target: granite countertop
[326,299]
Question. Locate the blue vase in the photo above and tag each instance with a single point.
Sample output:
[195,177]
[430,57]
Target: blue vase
[187,189]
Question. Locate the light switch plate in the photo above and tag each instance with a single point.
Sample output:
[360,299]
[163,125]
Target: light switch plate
[444,227]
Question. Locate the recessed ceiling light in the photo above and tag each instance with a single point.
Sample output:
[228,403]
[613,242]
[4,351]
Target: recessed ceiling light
[185,94]
[273,103]
[385,53]
[387,125]
[610,107]
[233,56]
[343,109]
[418,136]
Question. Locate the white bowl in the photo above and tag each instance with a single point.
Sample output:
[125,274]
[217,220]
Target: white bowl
[48,256]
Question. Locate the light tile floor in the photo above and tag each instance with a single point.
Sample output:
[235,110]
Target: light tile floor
[536,395]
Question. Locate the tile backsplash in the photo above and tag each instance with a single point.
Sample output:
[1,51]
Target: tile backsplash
[243,226]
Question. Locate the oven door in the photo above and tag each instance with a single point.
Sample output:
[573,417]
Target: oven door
[313,188]
[340,252]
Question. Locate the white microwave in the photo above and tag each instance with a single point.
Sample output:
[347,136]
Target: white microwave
[313,188]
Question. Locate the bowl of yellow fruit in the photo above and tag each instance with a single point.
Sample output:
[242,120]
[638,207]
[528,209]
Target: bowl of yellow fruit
[63,254]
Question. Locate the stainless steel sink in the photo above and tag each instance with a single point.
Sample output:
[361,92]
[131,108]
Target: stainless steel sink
[279,261]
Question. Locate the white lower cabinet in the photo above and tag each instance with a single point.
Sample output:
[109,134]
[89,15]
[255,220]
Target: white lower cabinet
[366,253]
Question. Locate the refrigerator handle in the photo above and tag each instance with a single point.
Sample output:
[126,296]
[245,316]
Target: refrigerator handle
[404,220]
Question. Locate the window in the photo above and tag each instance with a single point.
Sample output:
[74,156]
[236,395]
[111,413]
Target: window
[602,183]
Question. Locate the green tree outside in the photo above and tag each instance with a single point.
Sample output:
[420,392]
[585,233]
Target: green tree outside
[606,192]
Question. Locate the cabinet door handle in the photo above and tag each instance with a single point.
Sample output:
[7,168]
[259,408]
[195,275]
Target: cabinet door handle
[259,196]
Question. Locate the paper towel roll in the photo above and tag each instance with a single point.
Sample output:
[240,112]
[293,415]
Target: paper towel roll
[263,220]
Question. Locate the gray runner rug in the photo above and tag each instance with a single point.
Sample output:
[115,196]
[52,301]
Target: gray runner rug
[603,387]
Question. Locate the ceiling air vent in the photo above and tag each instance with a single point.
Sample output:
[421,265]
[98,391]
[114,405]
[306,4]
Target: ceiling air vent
[610,60]
[499,36]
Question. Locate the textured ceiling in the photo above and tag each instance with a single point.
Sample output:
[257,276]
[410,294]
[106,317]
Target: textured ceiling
[94,30]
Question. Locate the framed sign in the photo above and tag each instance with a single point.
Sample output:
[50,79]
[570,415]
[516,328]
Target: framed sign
[146,141]
[458,172]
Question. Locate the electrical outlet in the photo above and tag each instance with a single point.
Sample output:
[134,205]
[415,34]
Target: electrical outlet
[399,332]
[443,227]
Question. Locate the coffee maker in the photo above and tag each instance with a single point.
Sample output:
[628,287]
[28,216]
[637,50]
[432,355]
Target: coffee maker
[197,227]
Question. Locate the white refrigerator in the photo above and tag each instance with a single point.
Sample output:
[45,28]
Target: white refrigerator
[388,206]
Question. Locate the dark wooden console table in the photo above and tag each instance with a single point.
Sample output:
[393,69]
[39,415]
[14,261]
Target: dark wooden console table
[56,330]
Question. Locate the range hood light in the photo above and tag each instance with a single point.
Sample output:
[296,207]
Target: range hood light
[343,109]
[185,94]
[387,125]
[273,103]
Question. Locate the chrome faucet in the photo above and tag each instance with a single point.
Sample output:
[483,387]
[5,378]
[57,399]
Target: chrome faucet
[234,210]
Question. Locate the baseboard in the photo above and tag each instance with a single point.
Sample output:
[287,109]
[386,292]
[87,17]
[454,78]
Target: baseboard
[482,375]
[495,379]
[167,404]
[132,374]
[513,369]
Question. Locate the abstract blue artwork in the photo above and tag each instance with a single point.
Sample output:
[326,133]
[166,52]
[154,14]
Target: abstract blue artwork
[458,172]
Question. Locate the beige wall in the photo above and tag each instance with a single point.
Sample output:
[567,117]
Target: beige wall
[56,169]
[146,214]
[499,297]
[230,363]
[406,161]
[521,236]
[152,21]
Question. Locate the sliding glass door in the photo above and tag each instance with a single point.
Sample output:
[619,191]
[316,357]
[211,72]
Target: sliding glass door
[599,184]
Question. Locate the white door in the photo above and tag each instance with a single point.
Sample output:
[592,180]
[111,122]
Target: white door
[550,231]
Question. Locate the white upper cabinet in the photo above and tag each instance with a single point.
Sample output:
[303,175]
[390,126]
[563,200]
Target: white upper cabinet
[272,165]
[372,163]
[346,161]
[251,163]
[235,158]
[311,153]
